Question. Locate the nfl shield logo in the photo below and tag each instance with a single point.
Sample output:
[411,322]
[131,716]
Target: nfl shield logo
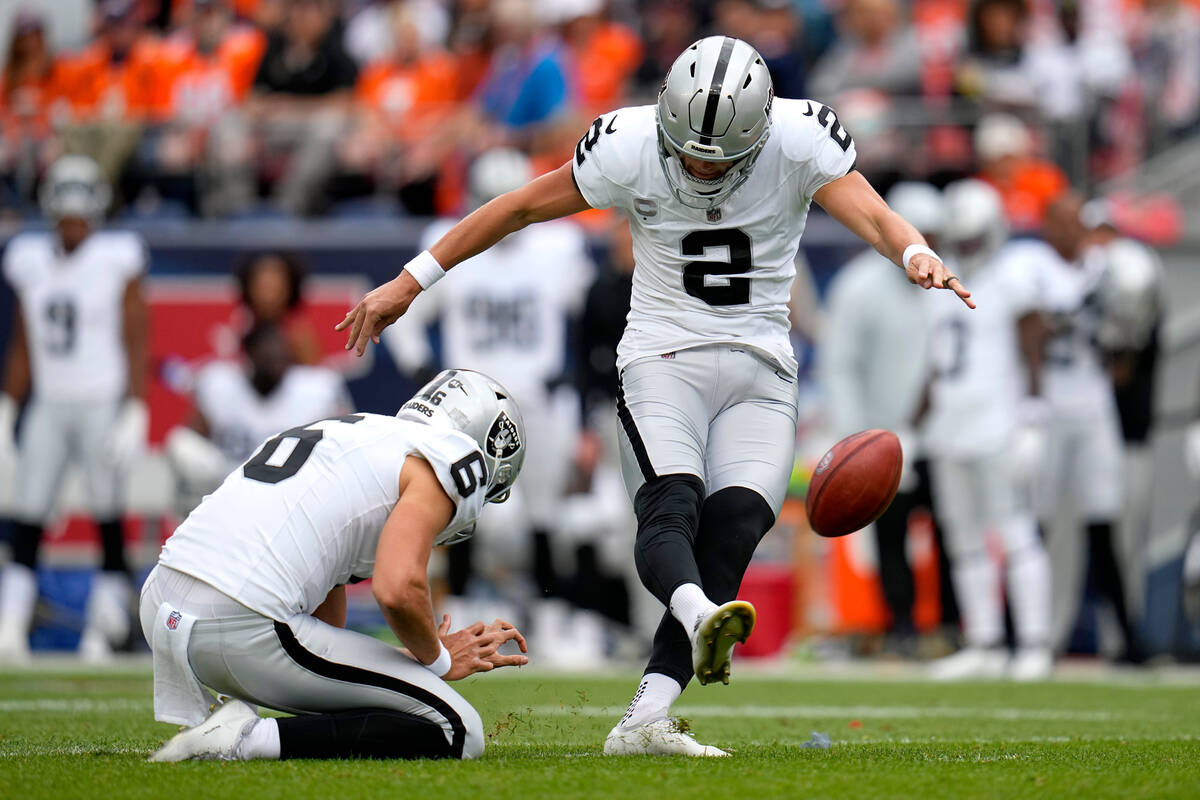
[714,215]
[173,620]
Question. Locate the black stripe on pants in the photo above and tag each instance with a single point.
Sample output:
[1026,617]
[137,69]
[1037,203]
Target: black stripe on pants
[344,672]
[635,438]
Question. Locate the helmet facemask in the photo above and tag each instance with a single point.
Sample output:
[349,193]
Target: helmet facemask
[704,193]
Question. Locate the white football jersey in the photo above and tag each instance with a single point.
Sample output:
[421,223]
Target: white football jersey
[504,312]
[73,306]
[978,374]
[239,418]
[1074,379]
[305,513]
[723,277]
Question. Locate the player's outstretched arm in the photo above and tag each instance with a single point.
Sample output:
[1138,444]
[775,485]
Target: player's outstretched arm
[551,196]
[854,203]
[401,584]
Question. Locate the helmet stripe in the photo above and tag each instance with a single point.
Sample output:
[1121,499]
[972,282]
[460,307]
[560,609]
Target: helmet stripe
[714,91]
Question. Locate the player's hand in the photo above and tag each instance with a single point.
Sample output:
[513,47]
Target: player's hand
[379,308]
[1030,440]
[129,432]
[474,648]
[929,273]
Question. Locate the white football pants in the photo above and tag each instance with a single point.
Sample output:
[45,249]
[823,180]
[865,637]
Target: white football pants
[303,665]
[974,497]
[1084,459]
[719,412]
[55,435]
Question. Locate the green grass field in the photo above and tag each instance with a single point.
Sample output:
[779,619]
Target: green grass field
[67,732]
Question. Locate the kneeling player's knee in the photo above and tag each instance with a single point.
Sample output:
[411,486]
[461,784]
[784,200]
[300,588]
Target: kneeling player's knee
[732,523]
[474,741]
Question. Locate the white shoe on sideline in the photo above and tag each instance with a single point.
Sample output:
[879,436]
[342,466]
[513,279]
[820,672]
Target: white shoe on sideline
[663,737]
[714,637]
[94,647]
[14,645]
[970,662]
[1031,664]
[217,738]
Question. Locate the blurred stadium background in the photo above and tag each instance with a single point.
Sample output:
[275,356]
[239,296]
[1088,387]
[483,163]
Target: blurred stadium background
[335,131]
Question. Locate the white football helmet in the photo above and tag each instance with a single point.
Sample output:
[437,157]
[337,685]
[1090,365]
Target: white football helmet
[715,105]
[1129,294]
[496,172]
[975,223]
[471,402]
[74,187]
[920,204]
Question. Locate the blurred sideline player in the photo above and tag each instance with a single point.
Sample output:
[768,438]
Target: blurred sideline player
[1132,311]
[872,363]
[716,179]
[1084,451]
[248,597]
[238,406]
[510,317]
[984,364]
[80,337]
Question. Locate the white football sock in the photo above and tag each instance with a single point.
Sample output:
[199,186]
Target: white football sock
[652,701]
[1029,586]
[261,742]
[18,596]
[688,604]
[977,586]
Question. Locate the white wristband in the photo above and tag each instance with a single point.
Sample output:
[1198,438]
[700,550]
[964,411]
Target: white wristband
[914,249]
[425,269]
[441,664]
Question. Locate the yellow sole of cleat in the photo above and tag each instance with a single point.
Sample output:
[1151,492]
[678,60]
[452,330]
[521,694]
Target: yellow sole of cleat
[732,623]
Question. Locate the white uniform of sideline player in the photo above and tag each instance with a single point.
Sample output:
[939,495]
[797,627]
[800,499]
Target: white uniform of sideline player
[716,181]
[238,406]
[248,597]
[874,378]
[1084,448]
[984,362]
[81,336]
[514,329]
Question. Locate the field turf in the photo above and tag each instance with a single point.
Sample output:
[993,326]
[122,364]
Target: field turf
[66,732]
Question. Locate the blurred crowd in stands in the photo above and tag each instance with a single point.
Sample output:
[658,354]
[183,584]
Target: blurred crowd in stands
[236,108]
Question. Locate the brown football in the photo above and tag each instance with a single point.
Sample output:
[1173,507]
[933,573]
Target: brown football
[854,482]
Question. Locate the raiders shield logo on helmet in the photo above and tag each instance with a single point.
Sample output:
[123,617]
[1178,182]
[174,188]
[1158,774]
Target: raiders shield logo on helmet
[503,439]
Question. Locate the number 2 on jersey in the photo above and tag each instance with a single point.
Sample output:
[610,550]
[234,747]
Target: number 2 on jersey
[840,135]
[591,136]
[265,468]
[732,291]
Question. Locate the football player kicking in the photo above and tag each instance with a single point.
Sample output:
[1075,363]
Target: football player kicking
[80,337]
[716,180]
[248,597]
